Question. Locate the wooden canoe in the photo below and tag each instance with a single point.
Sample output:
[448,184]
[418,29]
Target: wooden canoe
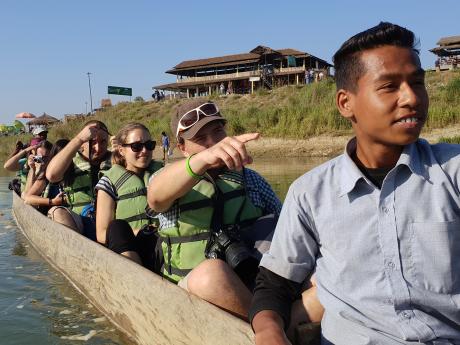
[147,308]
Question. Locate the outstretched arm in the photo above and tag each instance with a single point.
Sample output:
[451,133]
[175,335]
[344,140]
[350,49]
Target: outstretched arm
[12,164]
[173,181]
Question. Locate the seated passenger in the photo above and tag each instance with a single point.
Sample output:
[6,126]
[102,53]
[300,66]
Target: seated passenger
[121,220]
[17,162]
[189,192]
[41,193]
[85,155]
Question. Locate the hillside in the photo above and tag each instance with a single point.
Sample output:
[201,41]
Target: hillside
[292,116]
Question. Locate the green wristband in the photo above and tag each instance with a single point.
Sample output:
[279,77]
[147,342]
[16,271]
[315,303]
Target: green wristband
[190,171]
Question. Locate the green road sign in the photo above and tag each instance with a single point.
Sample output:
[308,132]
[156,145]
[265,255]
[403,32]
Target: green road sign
[117,90]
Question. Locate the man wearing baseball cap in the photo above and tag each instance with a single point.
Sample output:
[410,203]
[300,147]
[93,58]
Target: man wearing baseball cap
[208,204]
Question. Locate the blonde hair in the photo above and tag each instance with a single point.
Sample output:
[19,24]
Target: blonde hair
[120,139]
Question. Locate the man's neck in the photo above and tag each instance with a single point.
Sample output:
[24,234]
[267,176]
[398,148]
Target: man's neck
[377,156]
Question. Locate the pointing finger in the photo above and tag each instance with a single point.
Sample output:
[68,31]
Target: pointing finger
[244,138]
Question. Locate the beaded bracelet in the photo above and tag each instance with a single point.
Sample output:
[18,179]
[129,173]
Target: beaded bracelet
[190,171]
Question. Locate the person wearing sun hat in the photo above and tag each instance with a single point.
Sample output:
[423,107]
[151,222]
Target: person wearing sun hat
[211,180]
[40,134]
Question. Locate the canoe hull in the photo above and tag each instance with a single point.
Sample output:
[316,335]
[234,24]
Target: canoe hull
[147,308]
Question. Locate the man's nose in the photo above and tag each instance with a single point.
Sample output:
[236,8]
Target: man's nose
[409,95]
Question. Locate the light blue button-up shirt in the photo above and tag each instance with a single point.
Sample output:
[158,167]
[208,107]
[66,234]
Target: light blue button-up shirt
[387,260]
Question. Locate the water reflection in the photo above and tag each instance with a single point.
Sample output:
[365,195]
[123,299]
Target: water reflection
[37,305]
[280,173]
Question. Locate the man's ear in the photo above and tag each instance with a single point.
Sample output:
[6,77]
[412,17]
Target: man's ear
[344,102]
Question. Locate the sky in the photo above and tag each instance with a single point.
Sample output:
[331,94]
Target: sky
[47,47]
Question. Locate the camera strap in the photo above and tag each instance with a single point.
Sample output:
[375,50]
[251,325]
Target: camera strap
[217,221]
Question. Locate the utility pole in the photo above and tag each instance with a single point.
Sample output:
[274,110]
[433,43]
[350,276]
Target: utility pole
[90,95]
[86,108]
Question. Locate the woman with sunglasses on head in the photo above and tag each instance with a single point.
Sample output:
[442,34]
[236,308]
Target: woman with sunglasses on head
[208,191]
[122,223]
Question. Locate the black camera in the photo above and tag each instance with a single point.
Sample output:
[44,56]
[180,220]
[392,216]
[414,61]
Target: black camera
[38,159]
[228,246]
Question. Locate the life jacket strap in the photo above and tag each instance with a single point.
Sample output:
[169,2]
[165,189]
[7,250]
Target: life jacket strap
[140,192]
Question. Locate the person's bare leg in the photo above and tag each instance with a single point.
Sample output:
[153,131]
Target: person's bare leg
[214,281]
[132,255]
[62,216]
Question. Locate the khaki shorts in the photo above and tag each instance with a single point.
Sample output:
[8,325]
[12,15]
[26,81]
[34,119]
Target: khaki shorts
[183,283]
[76,217]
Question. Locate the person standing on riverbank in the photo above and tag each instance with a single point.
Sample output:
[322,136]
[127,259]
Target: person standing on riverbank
[380,223]
[165,145]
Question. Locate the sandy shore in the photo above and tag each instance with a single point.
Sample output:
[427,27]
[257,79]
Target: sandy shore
[319,146]
[325,145]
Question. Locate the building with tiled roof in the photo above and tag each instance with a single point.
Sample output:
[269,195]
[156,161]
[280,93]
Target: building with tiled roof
[243,73]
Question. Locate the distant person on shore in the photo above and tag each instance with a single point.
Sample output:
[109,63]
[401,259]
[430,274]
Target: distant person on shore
[209,204]
[122,223]
[380,224]
[165,145]
[85,156]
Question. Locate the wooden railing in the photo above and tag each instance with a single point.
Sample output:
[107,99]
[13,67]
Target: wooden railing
[219,77]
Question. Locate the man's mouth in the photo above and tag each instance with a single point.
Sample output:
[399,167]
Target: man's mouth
[409,120]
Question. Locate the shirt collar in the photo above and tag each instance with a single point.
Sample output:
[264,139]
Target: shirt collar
[413,157]
[350,173]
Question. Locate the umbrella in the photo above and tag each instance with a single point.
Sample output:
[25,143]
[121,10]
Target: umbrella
[25,116]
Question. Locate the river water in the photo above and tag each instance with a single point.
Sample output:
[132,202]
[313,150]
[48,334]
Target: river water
[38,306]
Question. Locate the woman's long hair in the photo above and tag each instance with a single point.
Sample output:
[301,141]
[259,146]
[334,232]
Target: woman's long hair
[48,146]
[120,139]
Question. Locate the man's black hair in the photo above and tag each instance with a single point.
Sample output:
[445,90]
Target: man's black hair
[347,60]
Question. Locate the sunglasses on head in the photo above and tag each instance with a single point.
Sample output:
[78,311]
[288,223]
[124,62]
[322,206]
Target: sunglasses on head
[193,116]
[138,146]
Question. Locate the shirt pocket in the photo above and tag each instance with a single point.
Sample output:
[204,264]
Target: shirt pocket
[436,255]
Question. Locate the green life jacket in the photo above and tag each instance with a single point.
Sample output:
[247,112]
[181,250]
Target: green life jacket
[184,243]
[81,193]
[132,194]
[23,172]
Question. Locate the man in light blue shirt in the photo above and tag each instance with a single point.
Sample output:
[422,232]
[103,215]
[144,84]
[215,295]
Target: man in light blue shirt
[380,224]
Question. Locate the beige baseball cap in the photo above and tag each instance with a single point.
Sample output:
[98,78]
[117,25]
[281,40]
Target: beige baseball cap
[189,133]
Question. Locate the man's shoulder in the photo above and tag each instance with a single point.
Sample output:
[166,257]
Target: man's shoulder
[443,153]
[325,173]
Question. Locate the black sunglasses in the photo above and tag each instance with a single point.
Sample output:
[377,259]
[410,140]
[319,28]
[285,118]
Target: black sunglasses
[137,146]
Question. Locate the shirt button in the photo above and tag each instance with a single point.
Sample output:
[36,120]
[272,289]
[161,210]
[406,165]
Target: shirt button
[390,265]
[385,210]
[389,301]
[406,315]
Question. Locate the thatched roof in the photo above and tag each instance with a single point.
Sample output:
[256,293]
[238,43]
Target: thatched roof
[449,41]
[253,56]
[45,119]
[448,46]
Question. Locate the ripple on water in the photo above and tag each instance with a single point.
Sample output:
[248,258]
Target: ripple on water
[37,305]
